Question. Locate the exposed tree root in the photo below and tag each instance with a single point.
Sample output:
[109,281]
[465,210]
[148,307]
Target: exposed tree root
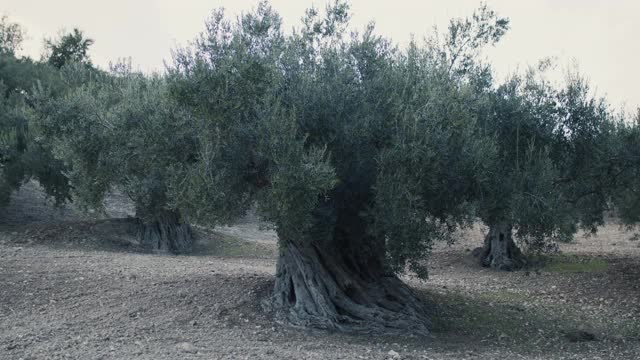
[318,290]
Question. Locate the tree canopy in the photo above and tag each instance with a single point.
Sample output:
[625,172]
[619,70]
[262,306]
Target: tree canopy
[69,48]
[120,130]
[23,155]
[539,186]
[545,137]
[622,170]
[11,36]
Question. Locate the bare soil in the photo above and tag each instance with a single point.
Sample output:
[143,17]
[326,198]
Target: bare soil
[79,287]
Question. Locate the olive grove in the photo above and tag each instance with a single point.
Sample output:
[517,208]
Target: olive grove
[361,153]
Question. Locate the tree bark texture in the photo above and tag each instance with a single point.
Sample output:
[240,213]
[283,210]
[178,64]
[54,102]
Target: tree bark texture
[500,251]
[338,281]
[320,290]
[166,233]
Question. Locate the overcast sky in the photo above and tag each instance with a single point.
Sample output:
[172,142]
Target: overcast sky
[602,36]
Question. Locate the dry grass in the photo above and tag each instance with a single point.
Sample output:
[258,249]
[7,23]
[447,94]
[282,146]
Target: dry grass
[575,264]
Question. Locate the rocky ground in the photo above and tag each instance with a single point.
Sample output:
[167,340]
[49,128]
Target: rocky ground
[78,287]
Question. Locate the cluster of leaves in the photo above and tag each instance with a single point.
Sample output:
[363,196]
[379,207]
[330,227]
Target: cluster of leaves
[23,154]
[552,143]
[68,48]
[11,36]
[117,130]
[106,129]
[623,168]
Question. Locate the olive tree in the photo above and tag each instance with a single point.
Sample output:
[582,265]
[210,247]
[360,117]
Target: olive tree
[547,138]
[11,36]
[121,130]
[554,143]
[23,153]
[68,48]
[519,172]
[521,194]
[624,171]
[360,154]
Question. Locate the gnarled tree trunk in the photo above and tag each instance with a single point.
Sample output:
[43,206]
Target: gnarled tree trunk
[325,289]
[335,278]
[500,251]
[166,232]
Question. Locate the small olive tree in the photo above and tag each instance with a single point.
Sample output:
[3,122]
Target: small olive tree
[121,130]
[11,36]
[68,48]
[360,154]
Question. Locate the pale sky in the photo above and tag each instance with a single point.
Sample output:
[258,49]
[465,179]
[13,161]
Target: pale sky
[602,36]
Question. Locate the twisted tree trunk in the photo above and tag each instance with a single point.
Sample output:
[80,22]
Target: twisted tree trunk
[323,289]
[335,277]
[500,251]
[166,232]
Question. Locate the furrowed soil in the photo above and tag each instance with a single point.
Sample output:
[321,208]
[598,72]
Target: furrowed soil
[74,286]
